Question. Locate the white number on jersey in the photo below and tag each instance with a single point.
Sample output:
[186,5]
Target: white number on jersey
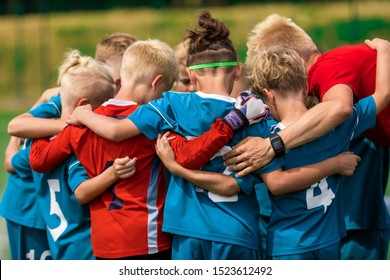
[54,185]
[31,255]
[216,197]
[324,198]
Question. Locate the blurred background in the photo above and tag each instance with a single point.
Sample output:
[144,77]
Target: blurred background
[35,35]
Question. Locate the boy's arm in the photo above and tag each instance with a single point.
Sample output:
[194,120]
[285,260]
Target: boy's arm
[106,127]
[281,182]
[382,82]
[28,126]
[95,186]
[12,148]
[195,153]
[215,182]
[40,121]
[46,154]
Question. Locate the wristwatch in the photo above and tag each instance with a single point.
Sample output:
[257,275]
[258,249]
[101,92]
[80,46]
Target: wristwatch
[277,145]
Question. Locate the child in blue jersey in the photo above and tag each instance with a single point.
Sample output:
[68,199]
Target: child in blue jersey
[308,224]
[25,224]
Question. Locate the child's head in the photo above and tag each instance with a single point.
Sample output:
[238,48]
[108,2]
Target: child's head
[278,69]
[183,83]
[82,77]
[277,30]
[145,60]
[111,49]
[210,49]
[113,44]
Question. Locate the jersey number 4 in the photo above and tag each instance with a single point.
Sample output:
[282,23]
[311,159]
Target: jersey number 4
[324,196]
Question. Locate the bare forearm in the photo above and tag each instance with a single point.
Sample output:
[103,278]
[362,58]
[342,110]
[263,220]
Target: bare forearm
[107,127]
[27,126]
[215,182]
[12,148]
[95,186]
[313,124]
[283,182]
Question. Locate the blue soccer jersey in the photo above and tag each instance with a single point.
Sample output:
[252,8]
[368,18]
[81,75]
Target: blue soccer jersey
[363,193]
[311,219]
[192,211]
[67,221]
[19,200]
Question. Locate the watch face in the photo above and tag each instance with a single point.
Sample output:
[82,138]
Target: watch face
[277,145]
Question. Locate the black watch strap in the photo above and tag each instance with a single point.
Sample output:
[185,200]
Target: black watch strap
[277,145]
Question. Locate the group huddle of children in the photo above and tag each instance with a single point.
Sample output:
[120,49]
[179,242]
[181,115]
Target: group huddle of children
[206,172]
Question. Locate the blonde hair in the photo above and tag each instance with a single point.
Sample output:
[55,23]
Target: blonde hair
[279,69]
[147,59]
[280,31]
[181,52]
[113,44]
[84,77]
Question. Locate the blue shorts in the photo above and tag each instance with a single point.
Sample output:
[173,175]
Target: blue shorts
[188,248]
[365,245]
[27,243]
[331,252]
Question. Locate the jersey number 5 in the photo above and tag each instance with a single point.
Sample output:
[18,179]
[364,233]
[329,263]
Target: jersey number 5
[54,185]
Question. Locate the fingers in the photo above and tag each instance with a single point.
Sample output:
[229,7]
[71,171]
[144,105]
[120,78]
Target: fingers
[125,167]
[245,171]
[232,157]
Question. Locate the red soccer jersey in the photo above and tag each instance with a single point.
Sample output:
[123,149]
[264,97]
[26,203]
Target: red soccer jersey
[126,220]
[354,66]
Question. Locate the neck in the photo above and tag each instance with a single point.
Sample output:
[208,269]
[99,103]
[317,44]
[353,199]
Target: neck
[218,84]
[133,92]
[65,113]
[290,111]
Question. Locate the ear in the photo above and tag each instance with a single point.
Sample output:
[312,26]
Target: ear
[237,72]
[270,95]
[192,76]
[83,101]
[117,83]
[156,81]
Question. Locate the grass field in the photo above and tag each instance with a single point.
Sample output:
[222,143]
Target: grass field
[33,46]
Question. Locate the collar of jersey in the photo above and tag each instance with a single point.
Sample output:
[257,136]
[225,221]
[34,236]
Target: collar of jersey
[216,96]
[118,102]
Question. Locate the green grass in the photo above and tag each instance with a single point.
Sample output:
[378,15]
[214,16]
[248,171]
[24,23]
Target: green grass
[35,44]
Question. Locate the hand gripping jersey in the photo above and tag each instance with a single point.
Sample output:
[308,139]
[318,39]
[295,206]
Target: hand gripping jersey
[354,66]
[126,219]
[192,211]
[311,219]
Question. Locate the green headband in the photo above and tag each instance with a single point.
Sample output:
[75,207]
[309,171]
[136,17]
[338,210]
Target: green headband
[212,64]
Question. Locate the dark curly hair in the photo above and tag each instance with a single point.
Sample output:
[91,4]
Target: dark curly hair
[209,42]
